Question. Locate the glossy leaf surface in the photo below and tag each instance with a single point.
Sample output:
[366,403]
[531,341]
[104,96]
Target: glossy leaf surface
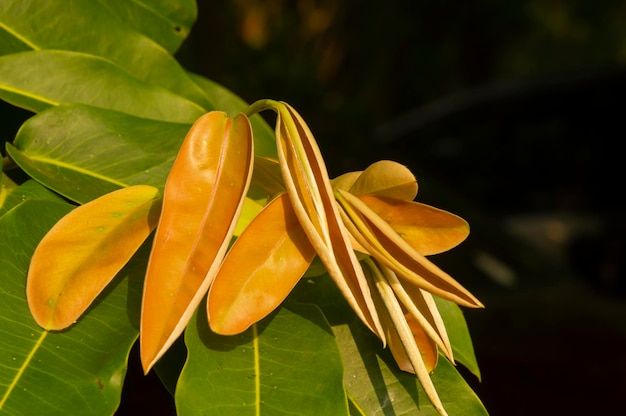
[84,251]
[103,33]
[310,191]
[62,148]
[286,364]
[203,197]
[260,269]
[375,384]
[167,22]
[79,371]
[427,229]
[37,80]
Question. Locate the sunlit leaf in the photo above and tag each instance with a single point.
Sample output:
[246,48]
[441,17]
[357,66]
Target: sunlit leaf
[203,197]
[37,80]
[260,269]
[311,195]
[79,371]
[82,253]
[287,364]
[104,33]
[427,229]
[388,179]
[382,242]
[63,149]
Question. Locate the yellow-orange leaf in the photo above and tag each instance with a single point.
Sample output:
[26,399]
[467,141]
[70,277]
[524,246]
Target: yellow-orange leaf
[260,269]
[311,195]
[203,197]
[427,229]
[80,255]
[386,178]
[425,345]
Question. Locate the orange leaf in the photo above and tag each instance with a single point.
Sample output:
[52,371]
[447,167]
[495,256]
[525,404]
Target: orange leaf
[384,243]
[386,178]
[427,229]
[80,255]
[425,345]
[203,198]
[260,269]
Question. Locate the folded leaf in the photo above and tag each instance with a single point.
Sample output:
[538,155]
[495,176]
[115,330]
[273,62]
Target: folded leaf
[80,255]
[203,198]
[311,194]
[427,229]
[384,243]
[261,268]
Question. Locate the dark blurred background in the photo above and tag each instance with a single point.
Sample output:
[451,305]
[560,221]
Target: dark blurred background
[510,113]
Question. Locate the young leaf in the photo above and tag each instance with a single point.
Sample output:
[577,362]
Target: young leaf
[203,198]
[261,268]
[80,255]
[427,229]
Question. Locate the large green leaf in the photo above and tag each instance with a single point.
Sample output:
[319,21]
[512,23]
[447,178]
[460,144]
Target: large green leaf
[26,191]
[83,152]
[79,371]
[88,26]
[167,22]
[459,335]
[373,380]
[37,80]
[287,364]
[378,387]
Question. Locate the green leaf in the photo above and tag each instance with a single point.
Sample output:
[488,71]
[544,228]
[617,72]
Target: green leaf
[375,384]
[79,371]
[26,191]
[88,26]
[285,365]
[224,100]
[167,22]
[378,387]
[459,335]
[63,148]
[37,80]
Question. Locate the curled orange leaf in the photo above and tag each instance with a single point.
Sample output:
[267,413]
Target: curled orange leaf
[203,198]
[80,255]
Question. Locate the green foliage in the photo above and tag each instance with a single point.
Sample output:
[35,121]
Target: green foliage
[112,107]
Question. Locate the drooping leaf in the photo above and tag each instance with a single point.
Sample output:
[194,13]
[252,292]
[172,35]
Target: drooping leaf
[79,371]
[311,195]
[287,364]
[383,243]
[387,179]
[84,251]
[260,269]
[103,34]
[427,229]
[167,22]
[202,200]
[37,80]
[62,148]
